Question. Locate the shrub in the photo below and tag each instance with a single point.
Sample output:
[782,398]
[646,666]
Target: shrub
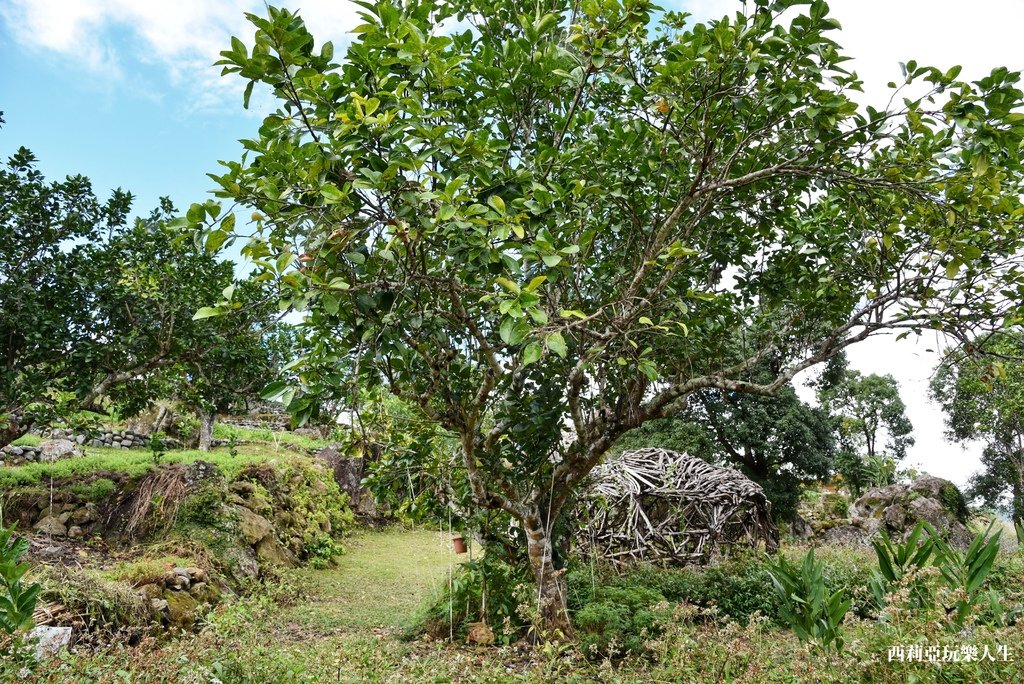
[737,588]
[955,502]
[17,599]
[618,620]
[807,607]
[102,604]
[896,559]
[486,589]
[965,572]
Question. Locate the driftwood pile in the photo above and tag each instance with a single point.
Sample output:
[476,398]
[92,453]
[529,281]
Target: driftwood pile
[666,507]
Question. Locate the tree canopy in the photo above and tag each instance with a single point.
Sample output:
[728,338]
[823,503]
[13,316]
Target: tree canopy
[560,223]
[91,301]
[871,426]
[780,442]
[983,398]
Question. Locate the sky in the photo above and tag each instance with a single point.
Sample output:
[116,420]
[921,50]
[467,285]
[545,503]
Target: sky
[124,92]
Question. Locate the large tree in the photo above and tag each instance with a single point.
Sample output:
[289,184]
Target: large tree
[780,442]
[89,300]
[871,426]
[242,355]
[553,227]
[983,398]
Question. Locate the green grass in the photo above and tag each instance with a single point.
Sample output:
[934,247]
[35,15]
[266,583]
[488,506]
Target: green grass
[135,462]
[28,440]
[382,581]
[289,439]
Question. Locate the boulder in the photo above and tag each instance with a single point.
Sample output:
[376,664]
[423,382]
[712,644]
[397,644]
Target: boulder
[255,527]
[52,526]
[84,515]
[206,593]
[269,550]
[846,535]
[800,528]
[479,633]
[181,608]
[898,508]
[56,449]
[49,640]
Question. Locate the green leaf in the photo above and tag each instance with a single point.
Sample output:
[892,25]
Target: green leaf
[505,331]
[535,283]
[208,312]
[552,260]
[272,390]
[330,303]
[556,343]
[531,353]
[507,284]
[446,212]
[331,193]
[215,240]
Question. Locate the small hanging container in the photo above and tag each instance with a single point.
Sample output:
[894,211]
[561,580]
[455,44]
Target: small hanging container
[458,544]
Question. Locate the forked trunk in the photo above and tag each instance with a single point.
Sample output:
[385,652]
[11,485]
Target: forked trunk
[206,420]
[554,619]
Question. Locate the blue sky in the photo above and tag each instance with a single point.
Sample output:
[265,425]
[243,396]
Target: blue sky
[123,91]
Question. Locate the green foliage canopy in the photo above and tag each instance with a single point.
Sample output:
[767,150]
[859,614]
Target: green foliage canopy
[983,398]
[578,215]
[89,300]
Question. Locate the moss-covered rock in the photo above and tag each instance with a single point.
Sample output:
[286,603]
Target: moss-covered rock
[182,608]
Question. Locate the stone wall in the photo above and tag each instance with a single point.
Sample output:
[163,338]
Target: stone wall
[273,421]
[116,439]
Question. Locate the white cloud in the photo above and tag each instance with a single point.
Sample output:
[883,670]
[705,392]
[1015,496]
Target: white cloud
[183,37]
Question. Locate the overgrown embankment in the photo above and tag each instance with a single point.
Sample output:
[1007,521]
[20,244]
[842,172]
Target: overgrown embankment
[122,543]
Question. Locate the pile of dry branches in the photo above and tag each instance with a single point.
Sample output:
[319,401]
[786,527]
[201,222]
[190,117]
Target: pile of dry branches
[666,507]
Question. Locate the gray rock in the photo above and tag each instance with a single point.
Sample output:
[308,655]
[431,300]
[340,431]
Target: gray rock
[846,535]
[49,640]
[895,517]
[84,515]
[52,526]
[96,443]
[75,532]
[17,451]
[255,528]
[56,449]
[80,439]
[800,528]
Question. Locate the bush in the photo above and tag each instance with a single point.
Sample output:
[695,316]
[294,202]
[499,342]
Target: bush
[808,608]
[506,586]
[737,588]
[618,620]
[17,598]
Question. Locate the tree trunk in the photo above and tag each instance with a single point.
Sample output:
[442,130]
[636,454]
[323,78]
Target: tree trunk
[206,420]
[163,419]
[1017,493]
[550,583]
[12,428]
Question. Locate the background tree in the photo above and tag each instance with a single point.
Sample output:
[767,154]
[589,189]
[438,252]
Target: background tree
[88,300]
[871,425]
[780,442]
[983,398]
[579,214]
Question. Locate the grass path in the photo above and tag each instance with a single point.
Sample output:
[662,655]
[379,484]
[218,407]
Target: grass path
[380,582]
